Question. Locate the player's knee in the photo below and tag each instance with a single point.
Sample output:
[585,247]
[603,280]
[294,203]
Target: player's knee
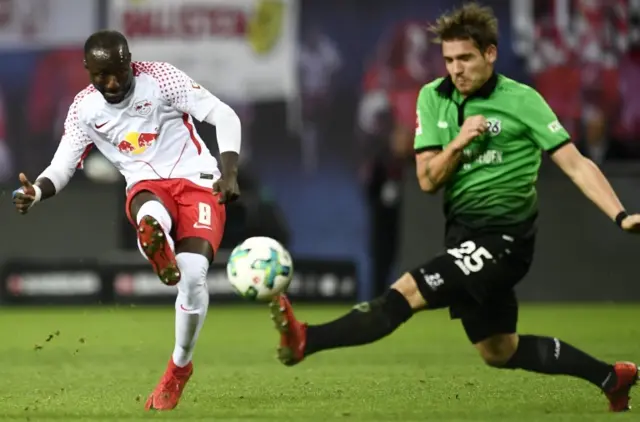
[496,351]
[408,287]
[155,209]
[193,269]
[385,313]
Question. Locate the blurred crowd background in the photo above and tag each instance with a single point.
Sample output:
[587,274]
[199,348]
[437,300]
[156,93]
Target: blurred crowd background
[326,91]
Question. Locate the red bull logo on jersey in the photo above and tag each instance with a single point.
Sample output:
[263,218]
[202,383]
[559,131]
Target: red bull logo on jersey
[135,143]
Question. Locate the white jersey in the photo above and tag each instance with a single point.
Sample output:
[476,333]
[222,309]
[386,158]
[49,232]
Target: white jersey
[148,136]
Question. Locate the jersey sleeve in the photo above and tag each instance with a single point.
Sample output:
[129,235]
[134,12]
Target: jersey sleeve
[426,126]
[182,92]
[74,146]
[544,128]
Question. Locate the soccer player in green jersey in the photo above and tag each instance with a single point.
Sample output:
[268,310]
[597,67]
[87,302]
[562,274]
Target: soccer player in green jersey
[480,137]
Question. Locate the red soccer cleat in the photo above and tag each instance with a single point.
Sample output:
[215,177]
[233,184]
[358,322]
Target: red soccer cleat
[158,251]
[627,374]
[168,392]
[293,333]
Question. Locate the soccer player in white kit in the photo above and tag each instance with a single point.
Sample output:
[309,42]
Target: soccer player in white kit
[140,116]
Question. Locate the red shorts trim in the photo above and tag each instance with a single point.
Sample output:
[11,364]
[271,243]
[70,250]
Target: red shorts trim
[194,210]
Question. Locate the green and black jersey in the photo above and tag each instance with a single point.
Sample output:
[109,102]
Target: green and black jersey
[495,184]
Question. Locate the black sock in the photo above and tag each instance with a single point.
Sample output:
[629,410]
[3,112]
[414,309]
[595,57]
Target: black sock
[365,323]
[547,355]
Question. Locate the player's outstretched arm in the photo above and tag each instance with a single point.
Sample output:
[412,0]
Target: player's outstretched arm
[74,145]
[28,194]
[546,131]
[590,180]
[53,179]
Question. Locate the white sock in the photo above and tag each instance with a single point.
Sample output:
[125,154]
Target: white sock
[156,210]
[191,305]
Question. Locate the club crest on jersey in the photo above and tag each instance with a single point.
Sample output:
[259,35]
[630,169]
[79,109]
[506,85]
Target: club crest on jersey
[135,143]
[143,107]
[494,126]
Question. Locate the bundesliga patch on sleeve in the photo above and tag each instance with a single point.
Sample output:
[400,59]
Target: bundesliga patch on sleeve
[555,126]
[418,124]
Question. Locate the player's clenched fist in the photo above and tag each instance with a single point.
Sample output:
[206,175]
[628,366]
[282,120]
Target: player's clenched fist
[471,128]
[227,189]
[25,196]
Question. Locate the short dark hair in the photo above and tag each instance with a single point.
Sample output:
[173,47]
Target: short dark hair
[469,22]
[106,39]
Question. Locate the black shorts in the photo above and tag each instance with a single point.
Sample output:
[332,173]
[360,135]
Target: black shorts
[475,279]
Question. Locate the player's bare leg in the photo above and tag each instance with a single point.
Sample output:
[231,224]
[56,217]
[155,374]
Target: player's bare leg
[154,240]
[194,256]
[365,323]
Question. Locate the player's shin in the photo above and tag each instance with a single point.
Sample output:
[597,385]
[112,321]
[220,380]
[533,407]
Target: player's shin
[366,323]
[191,305]
[548,355]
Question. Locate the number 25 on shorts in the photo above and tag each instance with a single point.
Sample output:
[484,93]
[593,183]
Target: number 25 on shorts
[469,257]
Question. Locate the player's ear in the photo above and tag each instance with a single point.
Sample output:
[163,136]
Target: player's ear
[491,54]
[84,62]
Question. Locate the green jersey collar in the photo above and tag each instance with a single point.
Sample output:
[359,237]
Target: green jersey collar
[446,87]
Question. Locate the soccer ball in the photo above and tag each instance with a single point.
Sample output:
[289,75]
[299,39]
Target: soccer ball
[260,268]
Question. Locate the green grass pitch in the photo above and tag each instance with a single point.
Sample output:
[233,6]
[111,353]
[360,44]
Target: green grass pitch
[99,364]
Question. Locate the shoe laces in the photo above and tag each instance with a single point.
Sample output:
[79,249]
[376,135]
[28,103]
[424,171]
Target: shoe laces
[172,382]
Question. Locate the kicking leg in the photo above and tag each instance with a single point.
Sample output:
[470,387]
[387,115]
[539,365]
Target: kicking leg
[365,323]
[154,224]
[431,286]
